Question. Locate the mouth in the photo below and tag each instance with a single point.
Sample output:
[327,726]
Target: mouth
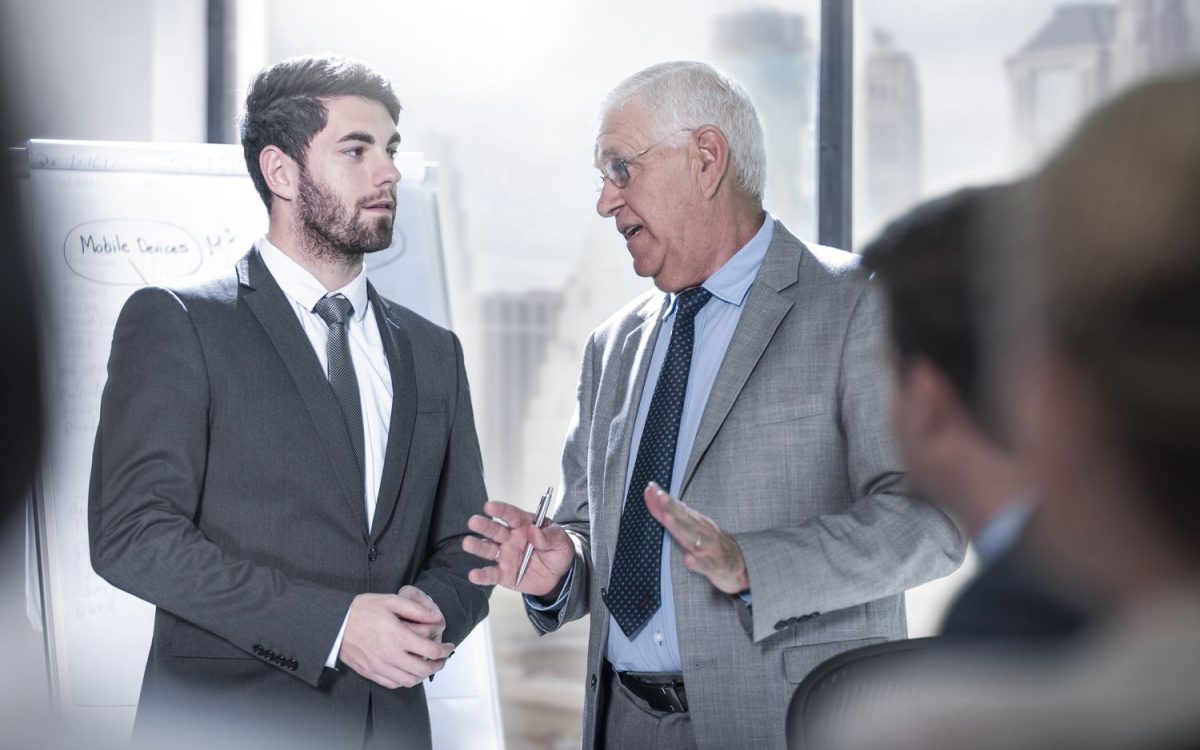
[383,204]
[630,231]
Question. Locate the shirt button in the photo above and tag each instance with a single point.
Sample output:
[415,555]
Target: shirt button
[658,637]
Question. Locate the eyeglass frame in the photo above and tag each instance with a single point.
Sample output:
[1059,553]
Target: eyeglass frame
[610,166]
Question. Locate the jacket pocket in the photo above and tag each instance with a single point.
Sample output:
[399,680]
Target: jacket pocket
[798,661]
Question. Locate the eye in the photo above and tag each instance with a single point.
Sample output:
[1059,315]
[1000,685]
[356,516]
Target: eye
[392,153]
[354,151]
[618,170]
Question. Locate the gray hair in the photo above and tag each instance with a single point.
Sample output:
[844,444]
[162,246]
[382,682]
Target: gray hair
[691,94]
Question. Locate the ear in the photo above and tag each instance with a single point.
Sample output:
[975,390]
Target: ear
[712,158]
[934,407]
[280,171]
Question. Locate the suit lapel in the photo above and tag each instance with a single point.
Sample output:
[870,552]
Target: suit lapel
[636,349]
[268,303]
[765,310]
[404,412]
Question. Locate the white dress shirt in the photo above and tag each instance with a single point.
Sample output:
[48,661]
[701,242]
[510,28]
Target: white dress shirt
[303,291]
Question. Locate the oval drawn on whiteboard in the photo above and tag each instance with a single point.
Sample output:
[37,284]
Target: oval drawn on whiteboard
[390,255]
[131,252]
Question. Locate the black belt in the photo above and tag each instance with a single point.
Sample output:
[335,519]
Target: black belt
[664,692]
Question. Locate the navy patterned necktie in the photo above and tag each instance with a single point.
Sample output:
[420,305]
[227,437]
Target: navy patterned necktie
[336,311]
[633,588]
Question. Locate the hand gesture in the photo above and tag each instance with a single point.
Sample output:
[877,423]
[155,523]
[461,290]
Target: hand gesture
[504,536]
[706,549]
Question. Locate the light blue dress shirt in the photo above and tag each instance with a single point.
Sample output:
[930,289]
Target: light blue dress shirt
[655,647]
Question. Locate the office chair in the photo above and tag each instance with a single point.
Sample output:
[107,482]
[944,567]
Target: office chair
[833,695]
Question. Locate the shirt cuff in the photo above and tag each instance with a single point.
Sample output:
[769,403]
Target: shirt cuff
[533,603]
[331,662]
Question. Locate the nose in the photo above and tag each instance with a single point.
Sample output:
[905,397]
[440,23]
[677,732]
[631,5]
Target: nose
[389,173]
[610,200]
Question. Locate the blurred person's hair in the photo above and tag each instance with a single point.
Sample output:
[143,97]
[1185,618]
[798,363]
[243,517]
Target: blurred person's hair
[926,262]
[678,95]
[21,391]
[1105,270]
[285,105]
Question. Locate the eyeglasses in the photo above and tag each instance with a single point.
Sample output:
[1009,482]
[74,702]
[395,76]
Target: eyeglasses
[615,169]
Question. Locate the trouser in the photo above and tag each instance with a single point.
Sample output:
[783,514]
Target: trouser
[629,722]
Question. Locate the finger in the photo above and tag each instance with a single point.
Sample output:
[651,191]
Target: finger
[426,648]
[416,595]
[421,668]
[489,576]
[408,609]
[509,514]
[482,548]
[392,677]
[379,678]
[489,528]
[674,516]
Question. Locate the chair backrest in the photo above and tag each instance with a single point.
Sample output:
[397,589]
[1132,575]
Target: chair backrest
[834,694]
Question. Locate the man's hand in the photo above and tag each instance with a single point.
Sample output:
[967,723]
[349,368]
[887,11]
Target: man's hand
[433,631]
[707,550]
[388,639]
[504,542]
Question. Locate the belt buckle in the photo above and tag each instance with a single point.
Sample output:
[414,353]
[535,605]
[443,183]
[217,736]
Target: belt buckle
[673,703]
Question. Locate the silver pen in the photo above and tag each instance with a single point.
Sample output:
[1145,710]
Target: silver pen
[538,519]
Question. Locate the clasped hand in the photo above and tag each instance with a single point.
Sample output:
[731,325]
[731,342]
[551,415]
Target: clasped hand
[395,640]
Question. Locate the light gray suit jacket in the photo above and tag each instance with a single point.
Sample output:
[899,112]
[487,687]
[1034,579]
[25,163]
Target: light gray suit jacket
[224,492]
[792,457]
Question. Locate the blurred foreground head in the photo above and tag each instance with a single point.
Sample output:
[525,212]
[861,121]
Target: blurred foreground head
[1098,357]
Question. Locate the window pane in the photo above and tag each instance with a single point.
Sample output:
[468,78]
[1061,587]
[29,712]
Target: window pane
[946,98]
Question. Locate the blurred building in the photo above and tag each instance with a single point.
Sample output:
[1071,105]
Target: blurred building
[1086,52]
[770,54]
[893,139]
[1153,36]
[1060,73]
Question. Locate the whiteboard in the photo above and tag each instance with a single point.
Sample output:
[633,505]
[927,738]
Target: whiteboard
[110,217]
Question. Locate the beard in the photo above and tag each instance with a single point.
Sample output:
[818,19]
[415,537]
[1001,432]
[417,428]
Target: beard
[331,228]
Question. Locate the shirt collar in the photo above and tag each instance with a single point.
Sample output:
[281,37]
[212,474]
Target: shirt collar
[302,287]
[731,283]
[1003,529]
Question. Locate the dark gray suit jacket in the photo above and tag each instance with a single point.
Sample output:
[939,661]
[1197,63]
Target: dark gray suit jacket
[223,491]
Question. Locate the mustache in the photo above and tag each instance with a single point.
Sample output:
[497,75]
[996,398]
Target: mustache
[387,195]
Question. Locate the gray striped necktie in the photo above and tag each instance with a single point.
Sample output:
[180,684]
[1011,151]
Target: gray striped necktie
[336,311]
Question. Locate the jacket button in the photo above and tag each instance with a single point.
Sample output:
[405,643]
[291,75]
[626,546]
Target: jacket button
[781,624]
[258,650]
[372,553]
[593,682]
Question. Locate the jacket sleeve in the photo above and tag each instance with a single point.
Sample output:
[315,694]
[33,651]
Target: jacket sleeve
[460,494]
[886,541]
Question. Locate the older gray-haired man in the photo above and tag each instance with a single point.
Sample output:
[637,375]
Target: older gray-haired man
[750,385]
